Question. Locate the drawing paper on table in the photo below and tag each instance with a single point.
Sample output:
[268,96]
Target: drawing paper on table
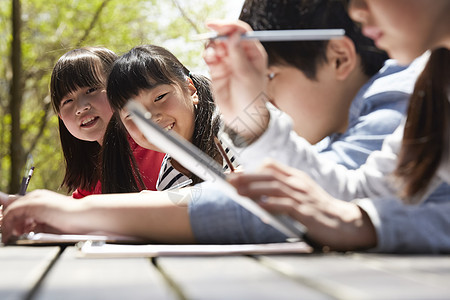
[101,250]
[205,167]
[60,239]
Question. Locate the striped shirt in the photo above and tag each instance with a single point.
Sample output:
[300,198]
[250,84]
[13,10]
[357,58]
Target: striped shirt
[169,176]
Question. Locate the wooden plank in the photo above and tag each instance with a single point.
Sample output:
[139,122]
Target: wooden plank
[231,277]
[21,268]
[81,278]
[432,270]
[350,276]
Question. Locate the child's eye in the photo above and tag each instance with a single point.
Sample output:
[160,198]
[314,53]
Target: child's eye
[91,90]
[160,97]
[66,101]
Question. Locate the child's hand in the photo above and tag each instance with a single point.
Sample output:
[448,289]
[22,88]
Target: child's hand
[330,222]
[238,70]
[3,198]
[37,211]
[6,199]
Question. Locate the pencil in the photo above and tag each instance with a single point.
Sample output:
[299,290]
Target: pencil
[224,154]
[281,35]
[25,182]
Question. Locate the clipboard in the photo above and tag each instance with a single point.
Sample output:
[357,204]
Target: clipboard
[206,168]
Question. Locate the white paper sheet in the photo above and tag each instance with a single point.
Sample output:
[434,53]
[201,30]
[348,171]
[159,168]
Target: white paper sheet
[68,239]
[98,250]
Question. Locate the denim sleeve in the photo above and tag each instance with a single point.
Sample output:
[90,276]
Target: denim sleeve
[217,219]
[381,115]
[401,228]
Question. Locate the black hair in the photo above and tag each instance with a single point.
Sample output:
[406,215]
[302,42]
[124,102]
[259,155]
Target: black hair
[426,137]
[142,68]
[308,14]
[85,67]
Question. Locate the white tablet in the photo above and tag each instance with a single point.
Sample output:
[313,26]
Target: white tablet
[206,168]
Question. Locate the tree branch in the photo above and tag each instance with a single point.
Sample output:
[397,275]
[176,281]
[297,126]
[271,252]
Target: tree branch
[93,22]
[42,125]
[185,16]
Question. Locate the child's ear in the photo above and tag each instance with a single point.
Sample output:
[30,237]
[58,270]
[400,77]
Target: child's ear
[192,91]
[341,53]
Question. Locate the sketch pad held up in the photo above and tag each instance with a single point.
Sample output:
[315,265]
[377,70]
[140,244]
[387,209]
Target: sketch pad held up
[206,168]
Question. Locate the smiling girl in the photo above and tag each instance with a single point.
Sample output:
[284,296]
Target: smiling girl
[178,100]
[79,98]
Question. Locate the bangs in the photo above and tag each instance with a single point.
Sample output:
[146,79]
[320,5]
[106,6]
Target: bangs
[137,70]
[74,71]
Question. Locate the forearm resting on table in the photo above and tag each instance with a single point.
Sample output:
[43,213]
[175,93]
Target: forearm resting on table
[157,216]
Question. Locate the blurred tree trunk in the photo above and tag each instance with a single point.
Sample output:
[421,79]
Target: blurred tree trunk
[15,103]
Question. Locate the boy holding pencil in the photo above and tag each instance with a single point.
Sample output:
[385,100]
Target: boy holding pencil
[339,89]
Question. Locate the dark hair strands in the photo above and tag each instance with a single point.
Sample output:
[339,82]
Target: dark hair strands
[117,153]
[426,136]
[207,124]
[307,56]
[81,160]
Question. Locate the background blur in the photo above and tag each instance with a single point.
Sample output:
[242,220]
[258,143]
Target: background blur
[35,33]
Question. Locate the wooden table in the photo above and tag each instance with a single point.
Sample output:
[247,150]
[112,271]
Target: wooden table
[56,273]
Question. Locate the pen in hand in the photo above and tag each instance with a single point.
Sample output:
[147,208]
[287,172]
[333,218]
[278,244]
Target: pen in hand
[26,181]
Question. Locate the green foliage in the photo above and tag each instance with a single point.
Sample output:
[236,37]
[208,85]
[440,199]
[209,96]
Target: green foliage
[53,27]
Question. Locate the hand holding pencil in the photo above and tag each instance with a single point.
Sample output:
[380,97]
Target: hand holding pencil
[26,181]
[238,70]
[6,199]
[237,63]
[27,175]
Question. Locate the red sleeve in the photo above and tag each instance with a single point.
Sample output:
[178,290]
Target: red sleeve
[149,163]
[80,193]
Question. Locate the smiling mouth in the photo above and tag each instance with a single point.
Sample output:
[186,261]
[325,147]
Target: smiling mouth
[89,121]
[169,127]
